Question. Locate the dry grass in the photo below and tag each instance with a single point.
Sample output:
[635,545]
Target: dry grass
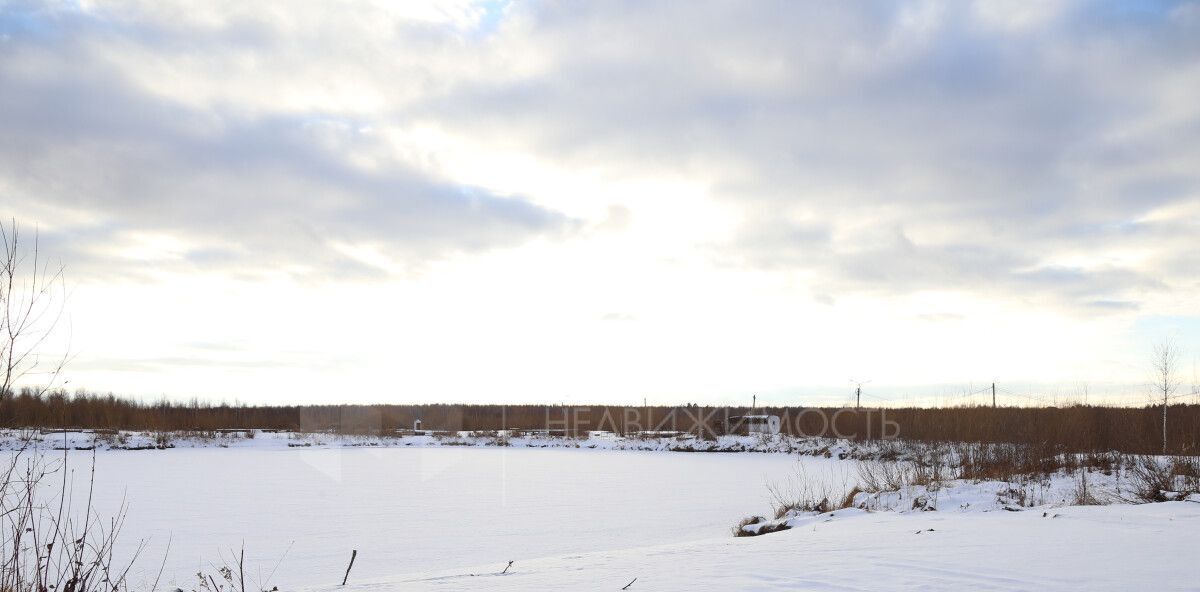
[799,493]
[739,530]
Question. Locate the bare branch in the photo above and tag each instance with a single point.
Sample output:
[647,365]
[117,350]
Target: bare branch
[32,303]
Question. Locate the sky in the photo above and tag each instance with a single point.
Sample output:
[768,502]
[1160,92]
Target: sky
[552,202]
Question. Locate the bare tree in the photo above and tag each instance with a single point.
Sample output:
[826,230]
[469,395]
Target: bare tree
[32,297]
[1165,365]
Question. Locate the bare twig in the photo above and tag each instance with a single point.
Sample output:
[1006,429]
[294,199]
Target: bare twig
[30,308]
[162,565]
[353,554]
[263,585]
[45,546]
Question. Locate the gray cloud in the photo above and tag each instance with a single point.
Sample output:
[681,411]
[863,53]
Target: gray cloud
[889,147]
[244,188]
[878,147]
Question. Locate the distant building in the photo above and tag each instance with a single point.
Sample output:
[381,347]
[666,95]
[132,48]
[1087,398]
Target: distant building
[753,424]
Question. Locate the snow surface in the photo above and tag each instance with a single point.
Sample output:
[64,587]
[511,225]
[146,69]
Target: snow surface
[1094,548]
[411,509]
[449,513]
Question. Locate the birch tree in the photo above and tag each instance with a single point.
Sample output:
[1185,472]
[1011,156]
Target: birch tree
[1165,364]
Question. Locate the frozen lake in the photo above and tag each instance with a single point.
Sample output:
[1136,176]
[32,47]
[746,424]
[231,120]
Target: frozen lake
[418,509]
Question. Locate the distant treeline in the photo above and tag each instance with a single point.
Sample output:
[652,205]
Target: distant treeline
[1076,428]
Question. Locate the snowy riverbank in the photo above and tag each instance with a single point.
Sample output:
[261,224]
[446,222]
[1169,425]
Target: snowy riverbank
[263,439]
[1096,548]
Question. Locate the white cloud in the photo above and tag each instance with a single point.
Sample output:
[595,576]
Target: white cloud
[777,194]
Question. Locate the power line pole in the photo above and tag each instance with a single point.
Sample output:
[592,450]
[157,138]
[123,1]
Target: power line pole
[858,392]
[993,395]
[753,402]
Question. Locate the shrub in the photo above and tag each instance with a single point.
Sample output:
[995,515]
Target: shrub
[1082,495]
[45,545]
[877,476]
[1159,480]
[1150,479]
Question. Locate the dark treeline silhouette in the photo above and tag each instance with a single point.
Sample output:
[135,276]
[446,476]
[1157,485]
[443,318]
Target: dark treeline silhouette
[1078,428]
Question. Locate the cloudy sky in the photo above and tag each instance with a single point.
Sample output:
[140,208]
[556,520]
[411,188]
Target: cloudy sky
[684,201]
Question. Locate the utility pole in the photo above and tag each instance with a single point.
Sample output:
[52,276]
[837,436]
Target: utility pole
[993,395]
[858,392]
[753,402]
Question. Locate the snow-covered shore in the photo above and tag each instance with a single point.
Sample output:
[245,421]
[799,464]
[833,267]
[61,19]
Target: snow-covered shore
[1021,491]
[1094,548]
[262,439]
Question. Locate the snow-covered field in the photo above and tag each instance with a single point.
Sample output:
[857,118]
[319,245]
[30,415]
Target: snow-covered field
[448,514]
[414,509]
